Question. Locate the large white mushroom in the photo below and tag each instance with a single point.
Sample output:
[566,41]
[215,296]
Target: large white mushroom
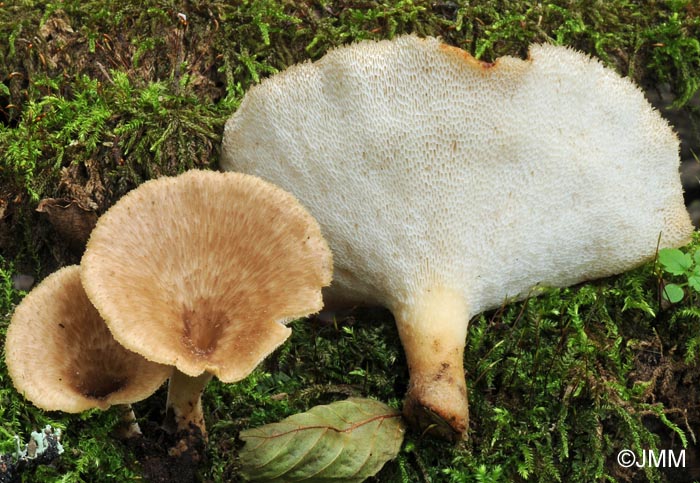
[446,186]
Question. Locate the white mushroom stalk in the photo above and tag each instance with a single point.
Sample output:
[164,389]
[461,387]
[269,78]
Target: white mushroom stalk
[446,186]
[201,272]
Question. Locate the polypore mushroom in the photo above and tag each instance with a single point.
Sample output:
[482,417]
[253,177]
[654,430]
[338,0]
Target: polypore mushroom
[445,185]
[200,272]
[61,356]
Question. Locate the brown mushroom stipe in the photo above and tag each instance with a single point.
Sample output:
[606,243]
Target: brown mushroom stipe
[200,272]
[61,355]
[446,186]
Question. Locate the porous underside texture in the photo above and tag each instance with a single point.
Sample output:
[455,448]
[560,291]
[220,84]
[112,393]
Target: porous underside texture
[61,355]
[200,271]
[426,167]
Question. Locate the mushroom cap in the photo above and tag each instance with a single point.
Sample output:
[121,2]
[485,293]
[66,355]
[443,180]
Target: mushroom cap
[61,355]
[201,271]
[426,167]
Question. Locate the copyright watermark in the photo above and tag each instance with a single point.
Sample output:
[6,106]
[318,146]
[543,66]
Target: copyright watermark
[663,458]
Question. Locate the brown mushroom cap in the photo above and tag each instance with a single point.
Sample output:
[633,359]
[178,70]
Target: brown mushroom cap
[200,271]
[61,355]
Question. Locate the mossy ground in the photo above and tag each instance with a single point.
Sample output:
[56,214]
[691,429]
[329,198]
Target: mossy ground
[96,98]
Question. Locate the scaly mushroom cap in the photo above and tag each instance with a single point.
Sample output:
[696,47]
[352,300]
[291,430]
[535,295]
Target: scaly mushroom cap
[200,271]
[61,355]
[446,186]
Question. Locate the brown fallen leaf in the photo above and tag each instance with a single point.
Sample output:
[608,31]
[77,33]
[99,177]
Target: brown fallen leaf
[71,221]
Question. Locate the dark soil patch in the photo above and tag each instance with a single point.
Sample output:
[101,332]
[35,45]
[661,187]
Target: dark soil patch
[673,383]
[168,458]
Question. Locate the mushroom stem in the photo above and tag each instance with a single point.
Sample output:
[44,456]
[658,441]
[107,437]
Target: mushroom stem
[433,332]
[128,427]
[184,405]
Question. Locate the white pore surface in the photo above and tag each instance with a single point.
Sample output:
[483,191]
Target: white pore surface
[425,167]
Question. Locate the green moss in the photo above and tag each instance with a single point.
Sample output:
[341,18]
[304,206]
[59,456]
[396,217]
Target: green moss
[142,89]
[558,384]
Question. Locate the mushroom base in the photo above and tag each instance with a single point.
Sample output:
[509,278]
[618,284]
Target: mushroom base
[442,412]
[184,406]
[433,332]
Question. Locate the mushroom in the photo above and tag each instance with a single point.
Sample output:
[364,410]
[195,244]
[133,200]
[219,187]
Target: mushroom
[201,272]
[61,356]
[446,186]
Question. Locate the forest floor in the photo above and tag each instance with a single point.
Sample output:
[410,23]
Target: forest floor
[97,98]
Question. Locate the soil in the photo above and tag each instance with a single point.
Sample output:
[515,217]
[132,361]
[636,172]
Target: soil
[673,383]
[168,458]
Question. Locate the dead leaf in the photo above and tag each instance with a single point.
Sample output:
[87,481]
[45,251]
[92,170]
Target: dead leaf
[346,441]
[71,221]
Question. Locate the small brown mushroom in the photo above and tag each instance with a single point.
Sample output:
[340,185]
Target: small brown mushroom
[61,356]
[200,272]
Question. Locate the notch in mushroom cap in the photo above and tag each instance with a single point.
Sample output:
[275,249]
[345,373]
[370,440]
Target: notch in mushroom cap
[61,355]
[201,271]
[451,185]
